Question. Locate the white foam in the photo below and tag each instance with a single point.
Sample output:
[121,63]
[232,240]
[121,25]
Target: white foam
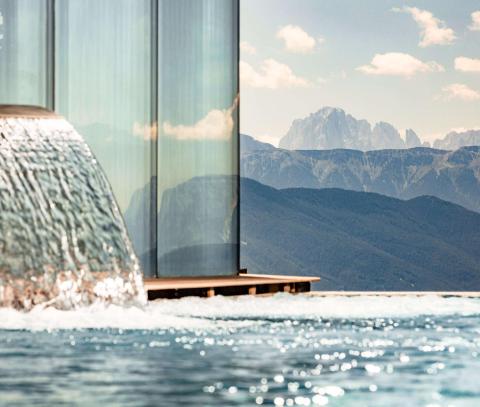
[228,312]
[306,306]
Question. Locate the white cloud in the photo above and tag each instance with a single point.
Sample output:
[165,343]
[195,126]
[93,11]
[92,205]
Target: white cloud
[465,64]
[145,131]
[247,48]
[459,91]
[398,64]
[433,30]
[216,125]
[463,129]
[296,39]
[475,26]
[272,75]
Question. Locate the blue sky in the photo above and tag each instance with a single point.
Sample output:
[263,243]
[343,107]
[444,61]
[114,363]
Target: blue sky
[415,64]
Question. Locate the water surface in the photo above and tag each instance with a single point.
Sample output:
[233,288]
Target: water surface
[282,350]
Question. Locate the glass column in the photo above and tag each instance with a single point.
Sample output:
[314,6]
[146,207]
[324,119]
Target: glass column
[198,143]
[104,88]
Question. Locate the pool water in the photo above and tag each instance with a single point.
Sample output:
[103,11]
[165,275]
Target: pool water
[283,350]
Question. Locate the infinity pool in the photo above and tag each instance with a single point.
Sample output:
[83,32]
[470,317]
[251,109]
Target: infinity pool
[283,350]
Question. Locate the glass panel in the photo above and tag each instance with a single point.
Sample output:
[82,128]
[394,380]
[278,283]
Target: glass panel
[104,88]
[23,52]
[198,143]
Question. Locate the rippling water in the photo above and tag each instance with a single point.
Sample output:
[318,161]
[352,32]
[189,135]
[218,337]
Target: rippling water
[62,237]
[282,350]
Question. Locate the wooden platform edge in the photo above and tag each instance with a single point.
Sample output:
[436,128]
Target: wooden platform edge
[209,286]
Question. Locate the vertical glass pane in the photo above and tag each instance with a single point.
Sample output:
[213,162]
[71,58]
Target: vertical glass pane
[198,143]
[23,52]
[103,87]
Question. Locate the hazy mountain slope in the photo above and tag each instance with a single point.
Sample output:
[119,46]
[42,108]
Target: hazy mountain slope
[331,128]
[450,175]
[455,140]
[248,143]
[196,227]
[360,241]
[138,219]
[353,240]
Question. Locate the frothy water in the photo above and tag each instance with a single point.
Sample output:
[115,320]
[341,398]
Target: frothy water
[283,350]
[224,312]
[62,238]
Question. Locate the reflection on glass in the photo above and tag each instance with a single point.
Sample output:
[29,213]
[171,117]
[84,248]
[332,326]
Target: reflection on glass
[23,52]
[198,144]
[103,86]
[114,74]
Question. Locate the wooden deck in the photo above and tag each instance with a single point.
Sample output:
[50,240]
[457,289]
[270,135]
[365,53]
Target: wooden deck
[242,284]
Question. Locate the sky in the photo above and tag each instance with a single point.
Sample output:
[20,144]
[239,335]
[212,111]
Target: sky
[414,64]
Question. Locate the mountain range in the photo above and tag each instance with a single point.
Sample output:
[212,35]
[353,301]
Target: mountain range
[395,219]
[332,128]
[455,140]
[359,240]
[404,173]
[352,240]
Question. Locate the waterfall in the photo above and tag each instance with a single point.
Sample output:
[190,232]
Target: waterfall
[63,240]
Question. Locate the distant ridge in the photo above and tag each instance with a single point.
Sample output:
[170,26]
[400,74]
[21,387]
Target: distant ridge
[352,240]
[453,176]
[248,143]
[360,241]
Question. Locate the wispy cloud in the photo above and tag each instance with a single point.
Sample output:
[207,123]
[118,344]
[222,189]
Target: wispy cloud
[475,26]
[399,64]
[247,48]
[464,129]
[342,74]
[433,31]
[272,75]
[459,91]
[217,124]
[465,64]
[297,40]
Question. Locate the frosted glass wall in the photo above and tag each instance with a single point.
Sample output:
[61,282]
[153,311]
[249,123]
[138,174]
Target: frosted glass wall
[103,87]
[152,86]
[23,52]
[198,145]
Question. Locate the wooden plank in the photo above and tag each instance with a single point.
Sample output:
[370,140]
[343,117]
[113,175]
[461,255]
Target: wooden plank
[210,292]
[299,279]
[168,283]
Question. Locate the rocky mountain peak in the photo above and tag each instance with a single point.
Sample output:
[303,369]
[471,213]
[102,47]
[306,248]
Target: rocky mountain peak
[332,127]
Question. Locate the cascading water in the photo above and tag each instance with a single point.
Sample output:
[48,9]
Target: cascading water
[62,238]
